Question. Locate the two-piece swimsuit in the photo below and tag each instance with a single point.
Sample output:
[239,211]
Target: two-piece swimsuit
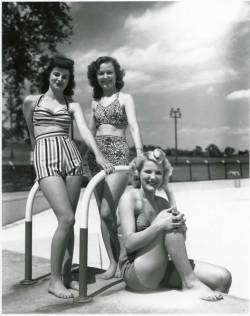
[55,153]
[114,148]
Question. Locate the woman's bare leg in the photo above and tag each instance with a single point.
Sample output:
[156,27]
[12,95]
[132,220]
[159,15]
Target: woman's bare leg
[175,246]
[73,184]
[99,190]
[216,277]
[54,189]
[151,263]
[114,186]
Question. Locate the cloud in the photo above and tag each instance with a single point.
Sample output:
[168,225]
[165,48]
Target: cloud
[240,131]
[238,95]
[210,91]
[205,130]
[187,24]
[187,41]
[214,76]
[172,47]
[137,77]
[216,132]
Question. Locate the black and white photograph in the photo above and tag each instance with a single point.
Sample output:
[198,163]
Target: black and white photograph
[125,157]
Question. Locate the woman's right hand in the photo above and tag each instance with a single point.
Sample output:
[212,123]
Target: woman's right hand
[105,164]
[165,220]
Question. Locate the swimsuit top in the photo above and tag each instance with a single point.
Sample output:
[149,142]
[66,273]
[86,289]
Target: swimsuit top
[113,114]
[141,223]
[125,259]
[43,116]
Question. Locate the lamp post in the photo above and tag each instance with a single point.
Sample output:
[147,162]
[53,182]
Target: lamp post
[175,114]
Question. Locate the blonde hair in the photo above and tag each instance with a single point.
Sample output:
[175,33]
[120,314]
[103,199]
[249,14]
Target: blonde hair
[158,157]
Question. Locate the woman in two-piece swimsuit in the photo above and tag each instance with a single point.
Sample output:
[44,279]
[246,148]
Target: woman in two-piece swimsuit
[152,237]
[58,163]
[111,113]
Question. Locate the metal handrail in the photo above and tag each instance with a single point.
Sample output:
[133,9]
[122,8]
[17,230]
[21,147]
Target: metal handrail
[83,248]
[28,236]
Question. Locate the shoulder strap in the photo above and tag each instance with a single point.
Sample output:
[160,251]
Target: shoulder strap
[37,104]
[71,131]
[66,101]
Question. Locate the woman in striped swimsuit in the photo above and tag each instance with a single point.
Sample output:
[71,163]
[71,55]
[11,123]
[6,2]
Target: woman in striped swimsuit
[58,163]
[113,112]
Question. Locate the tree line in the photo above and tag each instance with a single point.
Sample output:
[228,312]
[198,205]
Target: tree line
[211,150]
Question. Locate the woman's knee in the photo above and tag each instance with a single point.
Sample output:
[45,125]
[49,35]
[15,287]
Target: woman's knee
[172,236]
[106,214]
[67,221]
[224,280]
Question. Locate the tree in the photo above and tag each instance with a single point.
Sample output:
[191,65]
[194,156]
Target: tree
[213,151]
[30,34]
[198,151]
[229,151]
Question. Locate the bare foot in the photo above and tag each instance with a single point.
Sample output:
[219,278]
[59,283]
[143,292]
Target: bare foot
[59,290]
[110,272]
[74,285]
[199,289]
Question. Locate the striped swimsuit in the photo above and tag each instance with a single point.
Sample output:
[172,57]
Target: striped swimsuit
[55,154]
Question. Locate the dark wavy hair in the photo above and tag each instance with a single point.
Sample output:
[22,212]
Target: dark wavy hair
[93,68]
[62,62]
[157,156]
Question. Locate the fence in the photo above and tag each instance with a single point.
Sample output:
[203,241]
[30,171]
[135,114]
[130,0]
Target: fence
[21,177]
[206,170]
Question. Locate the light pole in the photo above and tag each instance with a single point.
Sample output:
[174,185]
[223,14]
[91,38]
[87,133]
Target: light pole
[175,114]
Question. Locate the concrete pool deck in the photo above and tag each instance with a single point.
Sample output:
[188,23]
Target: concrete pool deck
[218,232]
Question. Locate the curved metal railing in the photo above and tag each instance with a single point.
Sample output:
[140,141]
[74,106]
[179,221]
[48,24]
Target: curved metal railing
[83,247]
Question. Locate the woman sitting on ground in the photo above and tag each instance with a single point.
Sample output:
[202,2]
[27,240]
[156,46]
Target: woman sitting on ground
[152,237]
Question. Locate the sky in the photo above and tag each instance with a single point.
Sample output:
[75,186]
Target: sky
[192,55]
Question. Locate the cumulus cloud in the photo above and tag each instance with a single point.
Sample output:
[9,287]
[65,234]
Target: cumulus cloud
[238,95]
[173,47]
[181,39]
[187,22]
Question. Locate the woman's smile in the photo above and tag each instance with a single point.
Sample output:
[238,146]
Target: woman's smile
[59,78]
[151,175]
[106,76]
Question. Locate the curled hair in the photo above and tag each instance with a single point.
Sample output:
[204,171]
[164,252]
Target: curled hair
[158,157]
[62,62]
[93,68]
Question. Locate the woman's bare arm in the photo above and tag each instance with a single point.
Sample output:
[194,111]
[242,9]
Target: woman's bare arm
[133,123]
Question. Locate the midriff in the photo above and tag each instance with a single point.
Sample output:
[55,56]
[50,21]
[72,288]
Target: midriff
[39,130]
[108,129]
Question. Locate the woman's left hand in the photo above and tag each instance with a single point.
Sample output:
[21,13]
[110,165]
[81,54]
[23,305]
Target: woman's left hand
[105,164]
[182,229]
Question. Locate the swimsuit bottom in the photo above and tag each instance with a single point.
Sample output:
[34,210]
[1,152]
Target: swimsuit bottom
[114,148]
[171,278]
[56,154]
